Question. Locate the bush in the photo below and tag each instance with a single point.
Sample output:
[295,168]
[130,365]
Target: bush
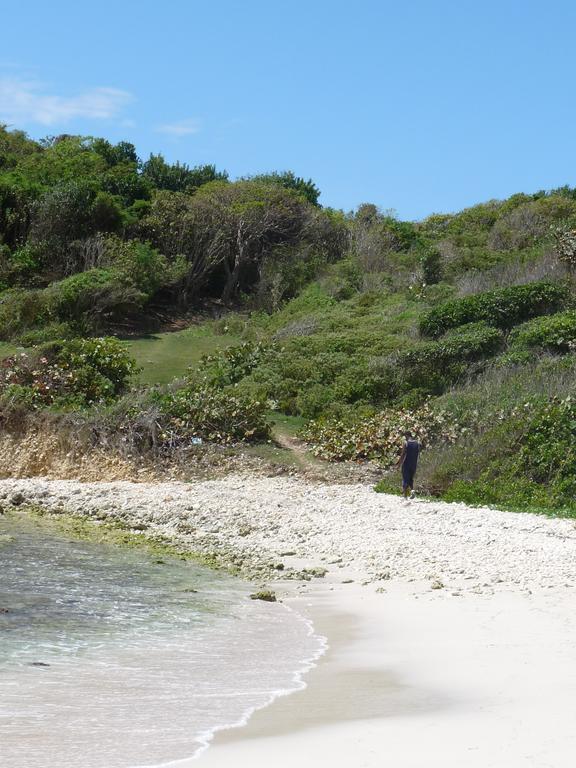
[93,299]
[377,438]
[523,458]
[565,244]
[552,332]
[21,309]
[230,365]
[105,357]
[431,265]
[502,308]
[210,413]
[67,374]
[431,366]
[50,332]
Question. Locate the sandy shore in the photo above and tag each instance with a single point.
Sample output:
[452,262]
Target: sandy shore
[451,630]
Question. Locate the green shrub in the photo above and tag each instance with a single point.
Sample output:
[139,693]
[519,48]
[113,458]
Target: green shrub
[524,458]
[431,265]
[21,309]
[139,265]
[379,437]
[230,365]
[502,308]
[105,357]
[67,374]
[93,300]
[210,413]
[432,365]
[50,332]
[552,332]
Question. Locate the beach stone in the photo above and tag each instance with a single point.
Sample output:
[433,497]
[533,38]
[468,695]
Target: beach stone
[265,594]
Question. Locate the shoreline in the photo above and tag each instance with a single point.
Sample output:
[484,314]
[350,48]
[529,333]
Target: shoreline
[449,629]
[486,681]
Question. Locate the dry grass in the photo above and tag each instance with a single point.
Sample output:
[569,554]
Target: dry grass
[516,272]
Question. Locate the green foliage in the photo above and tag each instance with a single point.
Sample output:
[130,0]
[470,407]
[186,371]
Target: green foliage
[77,373]
[230,365]
[87,297]
[431,366]
[556,333]
[525,460]
[431,264]
[379,437]
[502,308]
[211,413]
[21,309]
[101,368]
[179,177]
[287,179]
[565,244]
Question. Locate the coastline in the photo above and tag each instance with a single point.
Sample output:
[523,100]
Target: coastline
[482,681]
[449,629]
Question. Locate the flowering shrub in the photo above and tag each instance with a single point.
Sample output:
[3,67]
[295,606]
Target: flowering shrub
[380,437]
[79,372]
[565,244]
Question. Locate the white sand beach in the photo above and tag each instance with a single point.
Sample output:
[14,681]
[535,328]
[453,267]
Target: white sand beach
[450,630]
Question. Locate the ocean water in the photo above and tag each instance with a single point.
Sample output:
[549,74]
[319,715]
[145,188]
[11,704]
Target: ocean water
[111,659]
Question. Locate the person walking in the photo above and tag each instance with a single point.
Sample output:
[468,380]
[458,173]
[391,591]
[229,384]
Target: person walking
[408,461]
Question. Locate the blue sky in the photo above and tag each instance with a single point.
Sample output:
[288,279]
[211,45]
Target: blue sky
[415,106]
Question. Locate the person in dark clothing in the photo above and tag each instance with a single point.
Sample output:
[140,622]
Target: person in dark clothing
[408,461]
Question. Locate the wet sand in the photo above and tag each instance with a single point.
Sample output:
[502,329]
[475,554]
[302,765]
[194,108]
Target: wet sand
[413,680]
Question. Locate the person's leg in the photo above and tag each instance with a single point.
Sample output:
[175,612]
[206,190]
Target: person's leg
[406,482]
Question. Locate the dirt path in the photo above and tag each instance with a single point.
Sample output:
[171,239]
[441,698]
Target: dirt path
[298,449]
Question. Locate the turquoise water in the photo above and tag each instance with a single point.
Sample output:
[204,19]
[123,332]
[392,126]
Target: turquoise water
[111,659]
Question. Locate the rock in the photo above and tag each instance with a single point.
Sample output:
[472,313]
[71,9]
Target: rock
[265,594]
[437,584]
[17,499]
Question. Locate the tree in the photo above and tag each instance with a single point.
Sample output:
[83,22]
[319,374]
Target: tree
[123,152]
[179,177]
[244,221]
[69,213]
[287,179]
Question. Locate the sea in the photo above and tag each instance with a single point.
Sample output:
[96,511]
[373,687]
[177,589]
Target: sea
[120,658]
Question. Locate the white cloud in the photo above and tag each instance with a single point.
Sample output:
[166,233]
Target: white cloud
[24,101]
[181,127]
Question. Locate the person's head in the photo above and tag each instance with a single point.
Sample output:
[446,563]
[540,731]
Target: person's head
[408,435]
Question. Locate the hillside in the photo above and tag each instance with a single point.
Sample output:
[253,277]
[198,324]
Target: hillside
[349,327]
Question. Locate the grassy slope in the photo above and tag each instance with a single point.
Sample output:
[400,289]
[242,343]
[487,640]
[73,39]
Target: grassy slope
[166,356]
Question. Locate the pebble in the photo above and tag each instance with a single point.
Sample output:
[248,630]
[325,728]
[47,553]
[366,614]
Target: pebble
[237,518]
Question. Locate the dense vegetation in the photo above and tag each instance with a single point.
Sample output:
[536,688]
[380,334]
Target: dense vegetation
[461,327]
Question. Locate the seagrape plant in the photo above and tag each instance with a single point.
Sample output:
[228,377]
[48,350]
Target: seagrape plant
[379,437]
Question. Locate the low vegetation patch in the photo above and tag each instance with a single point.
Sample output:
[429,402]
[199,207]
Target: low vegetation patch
[555,333]
[379,437]
[502,308]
